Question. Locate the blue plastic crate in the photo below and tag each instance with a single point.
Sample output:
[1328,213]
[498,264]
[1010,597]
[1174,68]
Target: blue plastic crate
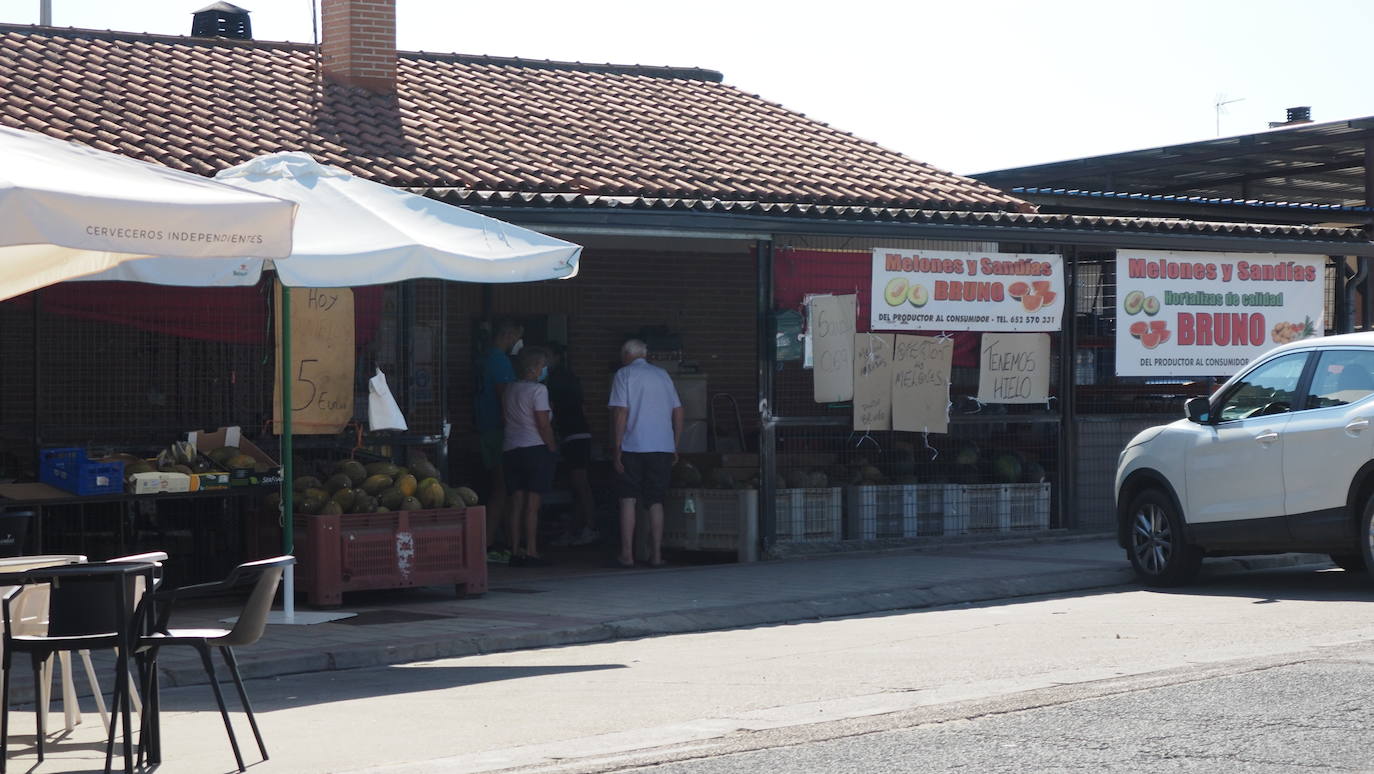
[69,469]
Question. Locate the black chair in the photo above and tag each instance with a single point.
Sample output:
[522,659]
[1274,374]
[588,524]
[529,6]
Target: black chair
[90,607]
[265,575]
[14,532]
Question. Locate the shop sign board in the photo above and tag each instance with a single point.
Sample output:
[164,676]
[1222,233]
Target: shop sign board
[831,332]
[872,381]
[920,383]
[1208,314]
[1014,368]
[943,290]
[322,361]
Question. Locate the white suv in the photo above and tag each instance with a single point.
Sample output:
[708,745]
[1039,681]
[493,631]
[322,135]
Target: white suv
[1280,458]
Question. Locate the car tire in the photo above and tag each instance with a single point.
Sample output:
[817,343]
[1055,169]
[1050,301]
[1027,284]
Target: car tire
[1366,534]
[1155,541]
[1349,562]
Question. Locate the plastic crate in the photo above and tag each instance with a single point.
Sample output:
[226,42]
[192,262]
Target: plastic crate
[1029,505]
[712,520]
[940,510]
[873,512]
[1007,507]
[810,514]
[69,469]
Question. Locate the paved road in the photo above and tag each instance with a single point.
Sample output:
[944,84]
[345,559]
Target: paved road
[1313,713]
[972,670]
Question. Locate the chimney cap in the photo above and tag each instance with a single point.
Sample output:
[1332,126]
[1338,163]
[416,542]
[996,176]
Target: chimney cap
[223,7]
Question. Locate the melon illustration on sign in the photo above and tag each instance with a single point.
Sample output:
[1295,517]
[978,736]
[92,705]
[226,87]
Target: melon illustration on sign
[918,295]
[1150,306]
[1018,289]
[1139,328]
[895,293]
[1134,302]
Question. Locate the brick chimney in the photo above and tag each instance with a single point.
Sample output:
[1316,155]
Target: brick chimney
[358,47]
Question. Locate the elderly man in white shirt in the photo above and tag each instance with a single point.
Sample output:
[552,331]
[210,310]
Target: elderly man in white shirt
[646,423]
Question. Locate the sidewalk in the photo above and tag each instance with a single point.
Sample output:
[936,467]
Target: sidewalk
[524,610]
[533,608]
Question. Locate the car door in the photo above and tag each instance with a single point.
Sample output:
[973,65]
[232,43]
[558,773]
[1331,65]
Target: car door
[1234,467]
[1325,444]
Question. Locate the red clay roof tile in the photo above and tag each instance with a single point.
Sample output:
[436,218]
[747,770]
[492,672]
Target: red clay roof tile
[456,122]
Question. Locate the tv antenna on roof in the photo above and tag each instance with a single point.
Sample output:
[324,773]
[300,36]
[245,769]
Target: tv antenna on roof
[1220,106]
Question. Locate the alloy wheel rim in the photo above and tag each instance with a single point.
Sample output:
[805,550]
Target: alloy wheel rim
[1152,541]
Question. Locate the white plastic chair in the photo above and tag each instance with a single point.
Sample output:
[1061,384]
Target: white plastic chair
[32,607]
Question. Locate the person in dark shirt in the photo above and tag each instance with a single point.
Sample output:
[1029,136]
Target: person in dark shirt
[574,440]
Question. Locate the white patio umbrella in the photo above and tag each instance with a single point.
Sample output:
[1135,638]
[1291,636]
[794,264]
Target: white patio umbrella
[349,232]
[68,210]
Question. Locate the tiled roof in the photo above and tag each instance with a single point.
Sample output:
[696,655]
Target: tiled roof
[474,123]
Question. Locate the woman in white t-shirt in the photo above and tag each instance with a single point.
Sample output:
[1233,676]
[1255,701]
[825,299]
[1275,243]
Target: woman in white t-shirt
[530,454]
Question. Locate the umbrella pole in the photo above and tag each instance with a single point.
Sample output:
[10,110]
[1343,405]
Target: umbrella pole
[287,453]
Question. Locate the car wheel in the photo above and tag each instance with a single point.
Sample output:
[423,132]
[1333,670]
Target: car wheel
[1155,542]
[1349,562]
[1366,534]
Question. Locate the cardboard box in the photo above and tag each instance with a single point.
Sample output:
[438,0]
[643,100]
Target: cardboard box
[267,470]
[215,480]
[159,483]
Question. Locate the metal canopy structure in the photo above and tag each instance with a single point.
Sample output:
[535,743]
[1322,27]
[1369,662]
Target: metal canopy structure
[1303,173]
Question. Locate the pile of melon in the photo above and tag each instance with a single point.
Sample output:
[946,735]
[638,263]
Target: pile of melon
[351,486]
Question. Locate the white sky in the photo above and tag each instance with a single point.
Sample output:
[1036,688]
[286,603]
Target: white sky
[967,85]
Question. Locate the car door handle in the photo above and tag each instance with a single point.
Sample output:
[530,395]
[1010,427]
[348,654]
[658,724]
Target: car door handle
[1355,427]
[1267,437]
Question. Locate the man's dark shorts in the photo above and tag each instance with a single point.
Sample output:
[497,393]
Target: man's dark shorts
[530,469]
[646,476]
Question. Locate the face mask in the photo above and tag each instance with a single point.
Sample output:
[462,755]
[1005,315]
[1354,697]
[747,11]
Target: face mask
[543,373]
[517,346]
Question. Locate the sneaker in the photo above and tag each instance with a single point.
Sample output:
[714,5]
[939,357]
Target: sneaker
[519,560]
[498,557]
[586,537]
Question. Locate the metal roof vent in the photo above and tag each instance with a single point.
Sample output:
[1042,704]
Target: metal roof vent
[1298,115]
[221,20]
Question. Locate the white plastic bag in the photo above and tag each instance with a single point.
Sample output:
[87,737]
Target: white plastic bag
[382,411]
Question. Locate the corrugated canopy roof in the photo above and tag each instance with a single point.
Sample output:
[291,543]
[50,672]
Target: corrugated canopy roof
[1320,164]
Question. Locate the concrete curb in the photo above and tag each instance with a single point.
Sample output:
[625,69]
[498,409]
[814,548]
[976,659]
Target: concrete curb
[723,617]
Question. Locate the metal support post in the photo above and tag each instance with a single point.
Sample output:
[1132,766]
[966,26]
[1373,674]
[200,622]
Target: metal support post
[1067,511]
[768,363]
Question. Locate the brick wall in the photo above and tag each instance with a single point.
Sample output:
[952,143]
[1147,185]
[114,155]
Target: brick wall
[707,298]
[358,43]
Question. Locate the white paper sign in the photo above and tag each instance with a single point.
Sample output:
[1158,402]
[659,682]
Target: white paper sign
[830,328]
[920,383]
[872,381]
[940,290]
[1208,314]
[1014,368]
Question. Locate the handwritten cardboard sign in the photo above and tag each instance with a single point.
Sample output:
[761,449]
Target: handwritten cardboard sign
[1014,368]
[321,361]
[872,381]
[831,327]
[920,383]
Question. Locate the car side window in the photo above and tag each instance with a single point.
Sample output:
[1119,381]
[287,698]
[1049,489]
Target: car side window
[1343,376]
[1269,389]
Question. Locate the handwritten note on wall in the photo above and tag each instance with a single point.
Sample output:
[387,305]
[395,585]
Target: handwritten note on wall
[321,361]
[920,383]
[1014,368]
[872,381]
[831,330]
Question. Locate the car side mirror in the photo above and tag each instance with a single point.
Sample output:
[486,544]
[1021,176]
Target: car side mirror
[1198,410]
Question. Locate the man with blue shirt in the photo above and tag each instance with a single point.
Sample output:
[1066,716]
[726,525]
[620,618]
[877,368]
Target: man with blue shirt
[497,373]
[646,423]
